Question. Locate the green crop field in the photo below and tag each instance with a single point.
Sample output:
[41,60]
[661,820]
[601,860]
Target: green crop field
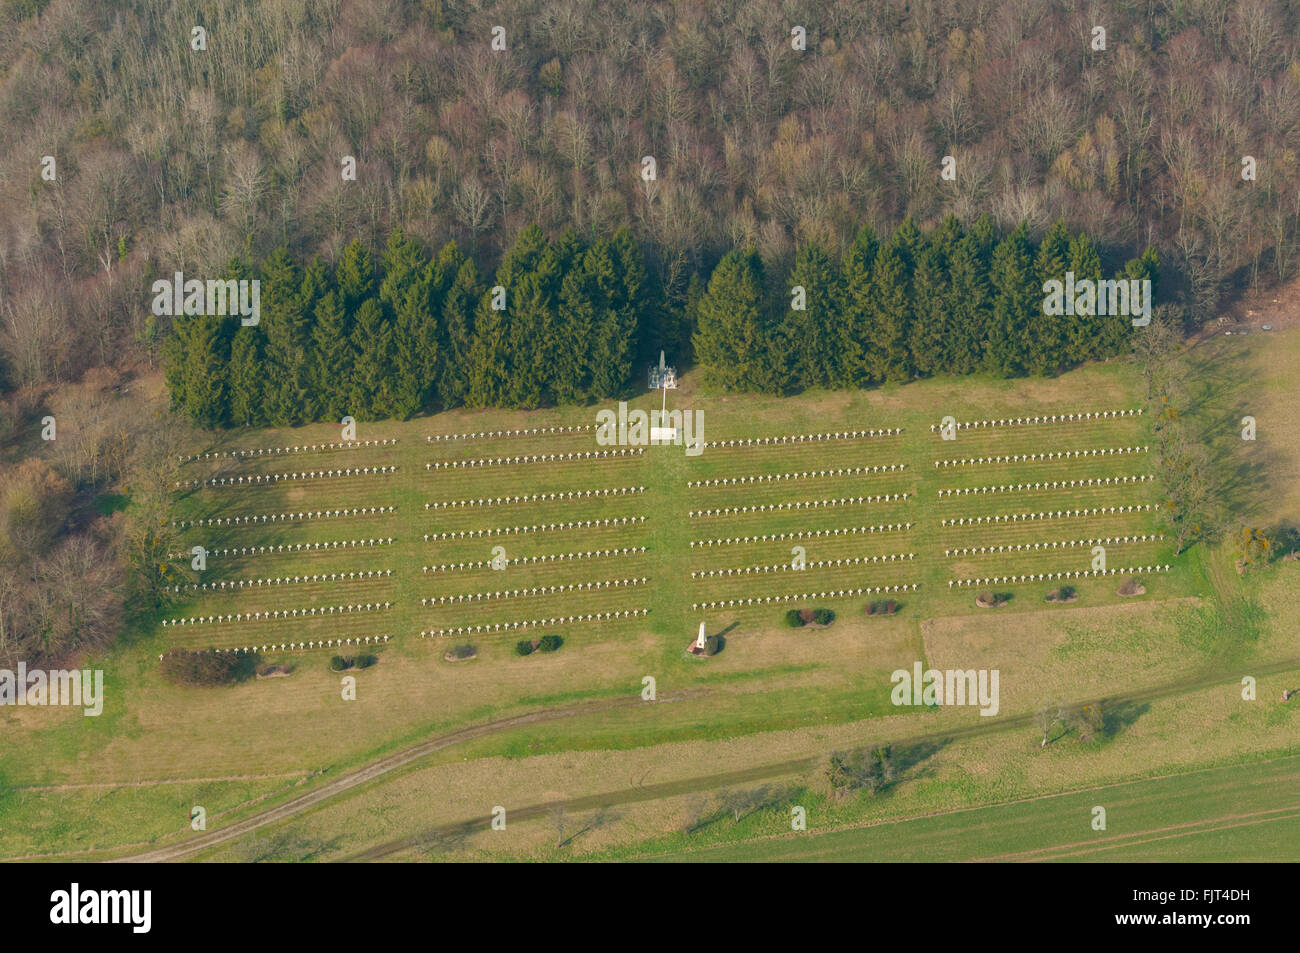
[1233,813]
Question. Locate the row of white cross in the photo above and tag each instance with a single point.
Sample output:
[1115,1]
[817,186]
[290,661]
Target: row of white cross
[1057,544]
[1053,485]
[313,644]
[838,471]
[284,580]
[536,623]
[535,458]
[289,548]
[804,534]
[1028,517]
[280,614]
[816,564]
[1030,457]
[832,594]
[798,505]
[538,528]
[804,437]
[1052,419]
[285,517]
[268,478]
[345,445]
[1070,574]
[272,451]
[536,497]
[531,431]
[534,591]
[526,560]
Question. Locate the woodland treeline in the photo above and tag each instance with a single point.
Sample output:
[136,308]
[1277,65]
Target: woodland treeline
[562,321]
[951,302]
[419,331]
[175,159]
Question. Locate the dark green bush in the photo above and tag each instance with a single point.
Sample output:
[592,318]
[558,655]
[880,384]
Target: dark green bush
[549,643]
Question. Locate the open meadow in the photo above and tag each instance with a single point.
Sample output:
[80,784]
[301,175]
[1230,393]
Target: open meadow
[493,528]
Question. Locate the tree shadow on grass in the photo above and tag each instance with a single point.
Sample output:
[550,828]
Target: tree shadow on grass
[443,842]
[911,761]
[735,804]
[284,847]
[1286,541]
[568,829]
[1219,397]
[1118,718]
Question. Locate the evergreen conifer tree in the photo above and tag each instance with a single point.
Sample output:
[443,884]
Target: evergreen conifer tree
[854,367]
[732,335]
[1016,298]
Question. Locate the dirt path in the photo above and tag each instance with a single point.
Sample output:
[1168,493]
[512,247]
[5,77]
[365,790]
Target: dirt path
[156,782]
[371,772]
[792,767]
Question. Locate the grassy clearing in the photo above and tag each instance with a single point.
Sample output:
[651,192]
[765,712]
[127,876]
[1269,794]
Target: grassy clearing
[653,795]
[65,822]
[768,679]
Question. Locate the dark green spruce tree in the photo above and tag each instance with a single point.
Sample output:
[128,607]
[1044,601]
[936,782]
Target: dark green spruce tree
[891,304]
[247,378]
[489,367]
[372,395]
[198,358]
[854,367]
[932,300]
[406,294]
[1017,299]
[1047,335]
[811,333]
[623,280]
[354,277]
[1085,334]
[459,307]
[331,367]
[286,327]
[1116,335]
[971,301]
[731,336]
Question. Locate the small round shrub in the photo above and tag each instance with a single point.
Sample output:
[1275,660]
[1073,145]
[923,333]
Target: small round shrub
[794,619]
[823,616]
[549,643]
[524,647]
